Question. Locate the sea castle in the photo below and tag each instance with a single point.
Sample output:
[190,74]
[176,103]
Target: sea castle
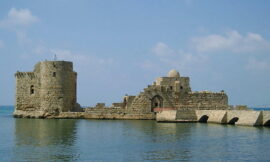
[50,91]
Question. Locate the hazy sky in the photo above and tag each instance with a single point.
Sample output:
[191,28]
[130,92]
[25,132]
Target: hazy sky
[118,47]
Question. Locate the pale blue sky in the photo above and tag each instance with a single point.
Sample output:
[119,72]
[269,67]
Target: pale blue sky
[121,46]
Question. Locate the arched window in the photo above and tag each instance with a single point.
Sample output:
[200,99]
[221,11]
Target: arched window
[32,90]
[156,102]
[54,74]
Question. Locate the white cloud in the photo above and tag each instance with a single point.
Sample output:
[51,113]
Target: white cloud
[18,17]
[162,49]
[16,21]
[232,41]
[164,56]
[254,64]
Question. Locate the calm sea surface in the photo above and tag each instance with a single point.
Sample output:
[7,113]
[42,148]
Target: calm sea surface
[127,140]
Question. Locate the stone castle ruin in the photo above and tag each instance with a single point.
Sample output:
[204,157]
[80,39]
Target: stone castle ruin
[50,92]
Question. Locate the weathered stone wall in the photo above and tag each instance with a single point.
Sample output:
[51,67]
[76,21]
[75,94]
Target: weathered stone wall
[27,91]
[143,102]
[166,116]
[84,115]
[115,113]
[237,117]
[212,116]
[204,100]
[174,83]
[266,118]
[244,117]
[50,89]
[58,86]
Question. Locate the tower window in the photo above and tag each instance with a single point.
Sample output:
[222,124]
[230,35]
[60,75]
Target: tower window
[32,91]
[54,74]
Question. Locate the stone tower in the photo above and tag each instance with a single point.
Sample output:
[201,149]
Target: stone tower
[58,86]
[49,89]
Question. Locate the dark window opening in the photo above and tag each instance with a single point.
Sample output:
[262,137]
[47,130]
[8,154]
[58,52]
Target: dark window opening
[181,87]
[32,91]
[171,87]
[54,74]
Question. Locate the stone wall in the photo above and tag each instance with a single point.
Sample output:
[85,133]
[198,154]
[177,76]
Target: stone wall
[204,100]
[50,88]
[212,116]
[143,102]
[266,118]
[166,116]
[58,86]
[234,117]
[27,91]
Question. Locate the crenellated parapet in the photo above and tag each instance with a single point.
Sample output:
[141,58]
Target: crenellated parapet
[30,75]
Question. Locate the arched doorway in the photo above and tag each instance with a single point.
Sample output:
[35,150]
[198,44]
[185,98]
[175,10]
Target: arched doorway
[156,102]
[233,120]
[267,123]
[203,119]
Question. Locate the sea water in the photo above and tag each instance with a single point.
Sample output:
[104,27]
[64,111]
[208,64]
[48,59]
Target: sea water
[127,140]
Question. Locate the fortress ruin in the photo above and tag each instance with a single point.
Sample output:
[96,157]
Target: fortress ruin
[50,92]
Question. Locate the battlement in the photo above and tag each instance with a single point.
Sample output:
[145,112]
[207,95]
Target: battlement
[30,75]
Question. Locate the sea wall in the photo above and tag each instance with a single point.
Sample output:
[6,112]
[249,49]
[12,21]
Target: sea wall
[266,118]
[237,117]
[109,116]
[212,116]
[244,117]
[166,116]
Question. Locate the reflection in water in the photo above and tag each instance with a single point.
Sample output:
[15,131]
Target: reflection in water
[45,140]
[168,141]
[129,140]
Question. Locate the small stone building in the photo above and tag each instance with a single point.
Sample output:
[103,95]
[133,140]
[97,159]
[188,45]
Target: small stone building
[171,92]
[49,90]
[174,91]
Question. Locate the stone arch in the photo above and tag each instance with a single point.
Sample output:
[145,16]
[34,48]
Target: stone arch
[267,123]
[233,120]
[203,119]
[156,102]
